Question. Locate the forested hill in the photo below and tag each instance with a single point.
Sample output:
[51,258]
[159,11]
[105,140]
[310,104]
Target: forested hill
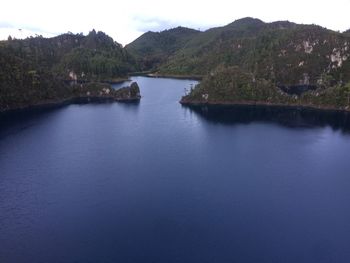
[92,57]
[282,51]
[36,70]
[154,48]
[263,49]
[249,61]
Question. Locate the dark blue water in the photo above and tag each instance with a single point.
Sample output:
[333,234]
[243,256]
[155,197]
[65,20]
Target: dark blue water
[158,182]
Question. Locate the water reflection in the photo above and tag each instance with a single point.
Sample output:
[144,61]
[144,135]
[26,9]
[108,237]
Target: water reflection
[291,117]
[13,122]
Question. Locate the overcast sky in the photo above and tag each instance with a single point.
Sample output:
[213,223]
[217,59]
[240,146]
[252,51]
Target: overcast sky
[128,19]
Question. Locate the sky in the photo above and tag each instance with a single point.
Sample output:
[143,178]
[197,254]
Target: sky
[128,19]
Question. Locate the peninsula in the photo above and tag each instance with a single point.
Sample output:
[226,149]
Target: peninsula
[39,71]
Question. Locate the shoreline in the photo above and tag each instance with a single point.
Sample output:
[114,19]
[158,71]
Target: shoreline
[68,101]
[170,76]
[266,104]
[96,92]
[107,81]
[151,74]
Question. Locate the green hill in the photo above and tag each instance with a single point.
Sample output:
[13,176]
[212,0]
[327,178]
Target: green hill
[249,61]
[232,85]
[280,51]
[153,48]
[38,70]
[92,57]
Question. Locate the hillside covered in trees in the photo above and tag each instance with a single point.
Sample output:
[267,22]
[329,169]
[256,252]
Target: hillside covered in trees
[38,70]
[93,57]
[250,61]
[232,85]
[272,63]
[152,49]
[279,51]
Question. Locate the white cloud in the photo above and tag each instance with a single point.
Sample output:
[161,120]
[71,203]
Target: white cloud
[126,20]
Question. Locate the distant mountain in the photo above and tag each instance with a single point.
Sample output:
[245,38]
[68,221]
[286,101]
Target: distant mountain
[153,48]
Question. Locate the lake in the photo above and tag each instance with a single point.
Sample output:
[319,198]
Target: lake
[158,182]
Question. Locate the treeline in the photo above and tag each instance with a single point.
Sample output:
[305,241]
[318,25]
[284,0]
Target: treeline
[95,56]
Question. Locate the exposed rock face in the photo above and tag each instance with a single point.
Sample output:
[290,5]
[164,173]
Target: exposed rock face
[308,48]
[339,56]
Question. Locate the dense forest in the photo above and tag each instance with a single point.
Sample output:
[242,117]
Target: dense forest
[93,57]
[152,49]
[39,70]
[232,85]
[249,61]
[286,63]
[281,51]
[278,63]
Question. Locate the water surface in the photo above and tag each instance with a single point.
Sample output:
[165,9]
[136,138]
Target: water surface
[158,182]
